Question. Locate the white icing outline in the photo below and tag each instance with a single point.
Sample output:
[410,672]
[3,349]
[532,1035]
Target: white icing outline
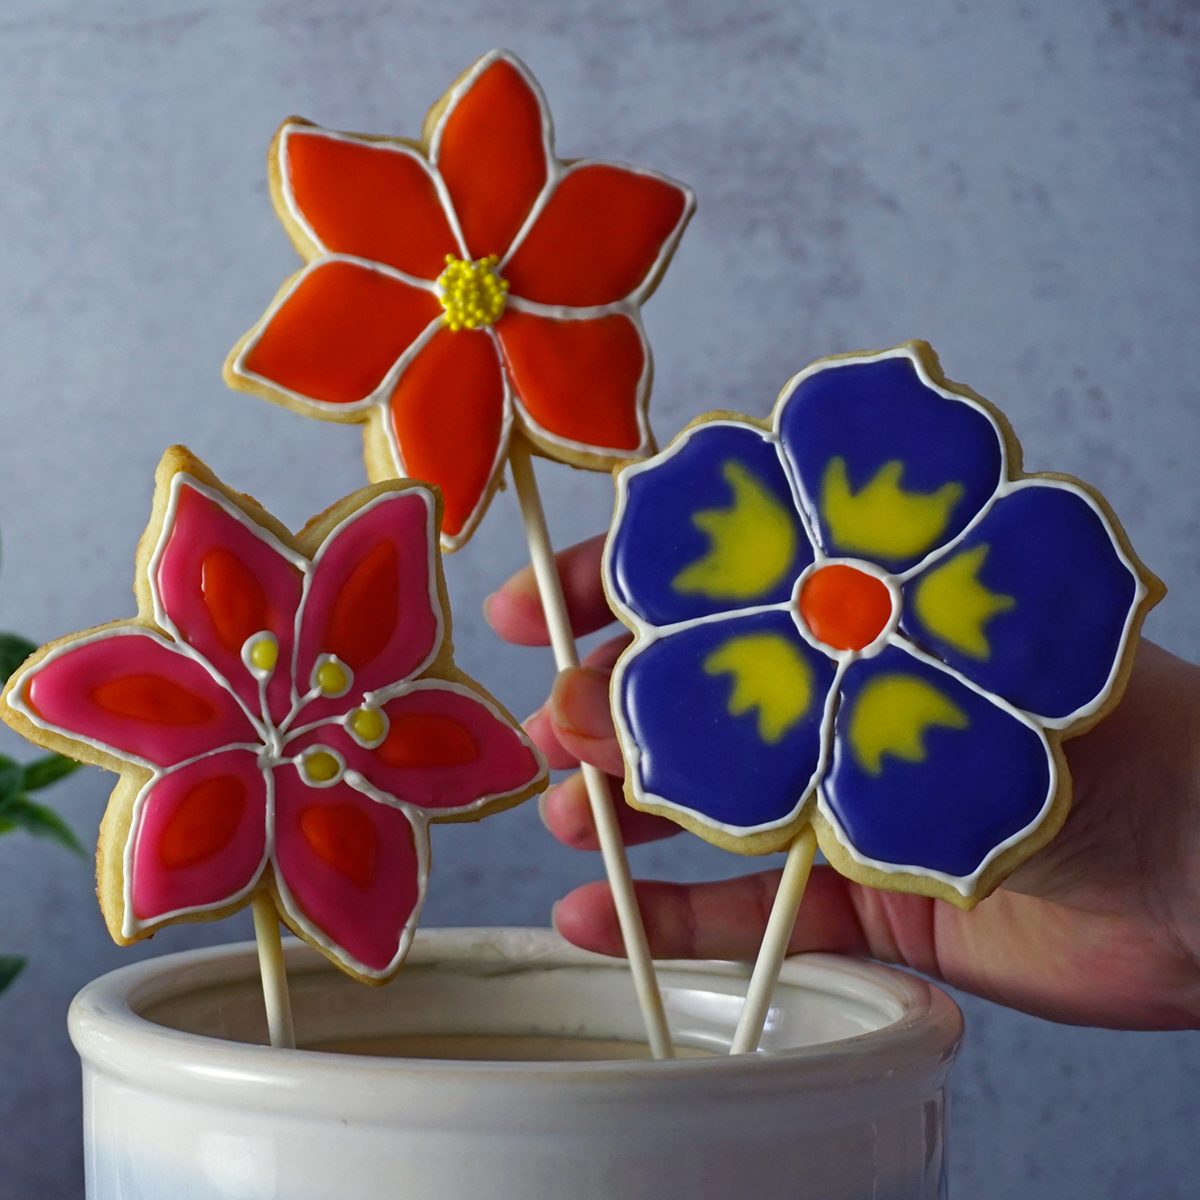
[641,393]
[297,918]
[131,925]
[386,145]
[644,633]
[965,885]
[632,751]
[273,739]
[452,542]
[556,168]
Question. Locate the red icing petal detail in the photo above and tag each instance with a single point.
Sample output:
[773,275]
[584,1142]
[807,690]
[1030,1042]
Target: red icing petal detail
[447,413]
[420,739]
[338,332]
[445,749]
[599,236]
[491,151]
[134,695]
[200,836]
[220,580]
[374,200]
[349,868]
[371,599]
[578,380]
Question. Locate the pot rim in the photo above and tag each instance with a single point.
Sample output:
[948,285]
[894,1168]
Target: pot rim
[111,1035]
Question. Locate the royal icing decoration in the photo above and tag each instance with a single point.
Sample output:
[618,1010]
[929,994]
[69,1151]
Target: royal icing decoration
[863,617]
[461,283]
[285,716]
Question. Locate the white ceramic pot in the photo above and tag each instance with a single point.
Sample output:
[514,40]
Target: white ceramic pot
[502,1064]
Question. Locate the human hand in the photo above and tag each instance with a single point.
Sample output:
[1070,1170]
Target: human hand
[1101,927]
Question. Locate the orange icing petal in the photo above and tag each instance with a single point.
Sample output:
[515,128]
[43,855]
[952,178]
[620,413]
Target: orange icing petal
[490,147]
[338,331]
[578,380]
[376,200]
[447,412]
[599,237]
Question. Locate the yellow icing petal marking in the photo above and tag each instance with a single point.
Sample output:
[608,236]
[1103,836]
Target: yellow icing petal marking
[770,675]
[884,519]
[891,716]
[954,606]
[471,292]
[752,543]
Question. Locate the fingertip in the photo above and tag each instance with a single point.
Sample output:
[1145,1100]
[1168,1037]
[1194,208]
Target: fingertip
[587,918]
[569,820]
[514,612]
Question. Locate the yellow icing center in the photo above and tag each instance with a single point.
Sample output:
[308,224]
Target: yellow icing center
[264,654]
[884,520]
[892,715]
[368,725]
[471,292]
[751,543]
[954,605]
[770,676]
[331,678]
[321,766]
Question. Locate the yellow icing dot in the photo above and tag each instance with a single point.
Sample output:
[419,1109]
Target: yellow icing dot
[264,654]
[368,725]
[321,766]
[332,679]
[471,292]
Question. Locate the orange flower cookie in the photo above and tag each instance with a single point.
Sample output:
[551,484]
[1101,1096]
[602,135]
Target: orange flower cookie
[459,284]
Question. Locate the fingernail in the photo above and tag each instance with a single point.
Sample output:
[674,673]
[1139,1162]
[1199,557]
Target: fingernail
[487,606]
[579,702]
[541,805]
[554,914]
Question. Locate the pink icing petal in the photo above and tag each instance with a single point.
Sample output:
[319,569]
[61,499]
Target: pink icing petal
[444,749]
[349,869]
[371,600]
[220,579]
[135,696]
[199,837]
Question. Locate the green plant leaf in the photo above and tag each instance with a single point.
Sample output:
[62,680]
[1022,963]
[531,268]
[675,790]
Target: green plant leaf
[41,821]
[42,772]
[10,968]
[14,650]
[10,779]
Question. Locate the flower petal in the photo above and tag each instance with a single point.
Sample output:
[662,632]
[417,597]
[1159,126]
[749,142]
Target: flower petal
[333,334]
[931,779]
[198,838]
[130,694]
[449,421]
[372,599]
[721,724]
[446,749]
[372,199]
[492,147]
[580,385]
[708,525]
[1034,603]
[604,233]
[350,872]
[218,579]
[892,464]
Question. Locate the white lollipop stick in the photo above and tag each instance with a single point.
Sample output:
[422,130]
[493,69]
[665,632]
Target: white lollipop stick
[774,946]
[612,848]
[274,973]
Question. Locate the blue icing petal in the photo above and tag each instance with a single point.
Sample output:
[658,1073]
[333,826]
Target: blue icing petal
[727,717]
[708,526]
[1049,642]
[892,468]
[927,773]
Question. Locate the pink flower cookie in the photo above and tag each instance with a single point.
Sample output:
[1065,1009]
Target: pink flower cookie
[285,715]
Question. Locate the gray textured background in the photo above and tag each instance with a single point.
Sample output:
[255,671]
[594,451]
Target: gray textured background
[1018,183]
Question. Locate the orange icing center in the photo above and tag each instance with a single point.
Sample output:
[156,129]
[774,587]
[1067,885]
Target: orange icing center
[844,607]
